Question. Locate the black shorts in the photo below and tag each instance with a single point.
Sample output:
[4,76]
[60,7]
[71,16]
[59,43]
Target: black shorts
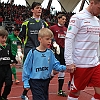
[39,88]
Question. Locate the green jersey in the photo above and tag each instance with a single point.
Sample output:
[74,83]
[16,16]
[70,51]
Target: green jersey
[14,41]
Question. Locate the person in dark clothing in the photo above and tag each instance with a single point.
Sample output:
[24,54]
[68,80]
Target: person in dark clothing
[6,58]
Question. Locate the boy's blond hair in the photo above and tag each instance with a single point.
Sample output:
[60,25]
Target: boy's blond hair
[45,32]
[3,32]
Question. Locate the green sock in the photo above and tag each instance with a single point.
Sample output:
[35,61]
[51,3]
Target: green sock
[14,72]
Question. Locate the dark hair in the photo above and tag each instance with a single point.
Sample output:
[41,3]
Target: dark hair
[3,32]
[16,28]
[34,4]
[60,16]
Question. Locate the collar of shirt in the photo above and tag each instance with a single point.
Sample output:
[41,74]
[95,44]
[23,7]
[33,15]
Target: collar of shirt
[60,25]
[37,19]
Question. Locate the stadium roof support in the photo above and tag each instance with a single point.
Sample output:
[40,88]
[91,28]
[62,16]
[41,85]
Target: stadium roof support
[68,5]
[82,5]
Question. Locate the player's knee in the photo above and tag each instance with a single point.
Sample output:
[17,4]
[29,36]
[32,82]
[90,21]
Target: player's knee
[74,94]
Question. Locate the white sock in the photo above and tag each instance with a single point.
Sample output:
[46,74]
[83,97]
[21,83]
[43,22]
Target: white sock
[94,98]
[71,98]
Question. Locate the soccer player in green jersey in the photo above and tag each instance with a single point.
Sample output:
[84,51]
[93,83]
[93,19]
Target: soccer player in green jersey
[15,43]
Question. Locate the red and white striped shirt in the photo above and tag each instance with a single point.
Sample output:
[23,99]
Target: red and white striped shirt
[82,40]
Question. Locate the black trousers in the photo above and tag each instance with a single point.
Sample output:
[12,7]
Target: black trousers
[60,57]
[39,88]
[5,77]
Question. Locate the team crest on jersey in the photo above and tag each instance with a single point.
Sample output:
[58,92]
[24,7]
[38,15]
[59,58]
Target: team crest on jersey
[8,52]
[34,31]
[48,60]
[0,49]
[70,27]
[14,42]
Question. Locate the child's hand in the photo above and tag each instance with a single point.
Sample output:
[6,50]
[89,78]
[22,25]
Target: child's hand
[26,88]
[55,72]
[71,68]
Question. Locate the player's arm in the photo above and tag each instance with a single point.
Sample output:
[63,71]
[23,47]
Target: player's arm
[72,31]
[8,40]
[27,69]
[22,33]
[56,64]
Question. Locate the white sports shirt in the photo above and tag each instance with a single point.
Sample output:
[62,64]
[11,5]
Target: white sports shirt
[82,40]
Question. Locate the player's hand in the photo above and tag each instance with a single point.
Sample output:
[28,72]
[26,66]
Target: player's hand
[26,88]
[56,46]
[13,64]
[70,68]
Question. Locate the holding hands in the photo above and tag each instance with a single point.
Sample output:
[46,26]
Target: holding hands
[70,68]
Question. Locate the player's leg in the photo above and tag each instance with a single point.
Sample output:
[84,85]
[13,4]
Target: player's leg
[77,83]
[25,91]
[61,76]
[2,78]
[8,83]
[95,82]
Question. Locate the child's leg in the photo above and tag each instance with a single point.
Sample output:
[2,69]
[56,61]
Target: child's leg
[39,89]
[1,85]
[25,92]
[60,80]
[14,72]
[60,84]
[8,84]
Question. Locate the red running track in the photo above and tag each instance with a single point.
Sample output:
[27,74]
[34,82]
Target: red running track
[18,88]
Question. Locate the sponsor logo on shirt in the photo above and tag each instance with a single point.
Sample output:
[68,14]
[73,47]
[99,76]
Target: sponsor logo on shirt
[32,23]
[4,58]
[61,35]
[33,31]
[93,29]
[86,22]
[41,69]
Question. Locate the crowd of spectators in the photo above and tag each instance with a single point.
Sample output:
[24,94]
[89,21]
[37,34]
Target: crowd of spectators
[16,14]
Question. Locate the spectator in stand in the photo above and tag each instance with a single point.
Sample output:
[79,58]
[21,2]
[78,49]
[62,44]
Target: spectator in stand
[1,20]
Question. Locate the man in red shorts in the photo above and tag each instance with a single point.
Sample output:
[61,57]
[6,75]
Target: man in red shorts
[81,55]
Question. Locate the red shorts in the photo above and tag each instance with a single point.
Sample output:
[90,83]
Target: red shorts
[83,77]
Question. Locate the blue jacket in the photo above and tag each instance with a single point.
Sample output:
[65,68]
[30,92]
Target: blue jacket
[39,65]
